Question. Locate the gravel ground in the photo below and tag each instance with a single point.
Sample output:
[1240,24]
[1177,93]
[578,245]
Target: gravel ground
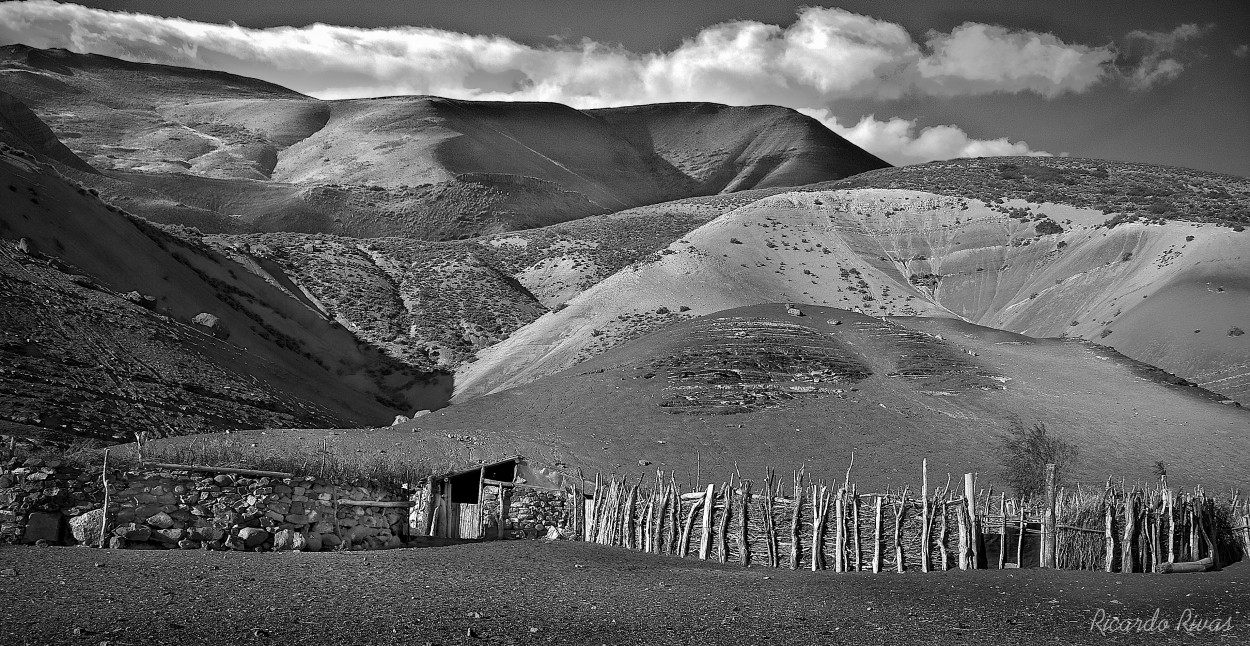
[570,593]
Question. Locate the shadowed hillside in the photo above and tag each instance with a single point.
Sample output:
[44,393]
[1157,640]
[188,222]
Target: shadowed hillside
[112,325]
[181,145]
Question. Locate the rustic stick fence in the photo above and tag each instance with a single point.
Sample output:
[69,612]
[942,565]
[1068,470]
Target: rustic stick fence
[806,523]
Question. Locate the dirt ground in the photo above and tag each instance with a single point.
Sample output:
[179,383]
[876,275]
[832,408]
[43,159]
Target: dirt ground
[572,593]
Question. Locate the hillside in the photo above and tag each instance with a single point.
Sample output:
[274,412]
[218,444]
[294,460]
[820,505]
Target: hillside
[112,325]
[229,154]
[1045,270]
[754,387]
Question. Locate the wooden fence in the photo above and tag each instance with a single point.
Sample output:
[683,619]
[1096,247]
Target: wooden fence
[802,523]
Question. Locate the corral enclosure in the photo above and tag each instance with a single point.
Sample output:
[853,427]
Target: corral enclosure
[802,523]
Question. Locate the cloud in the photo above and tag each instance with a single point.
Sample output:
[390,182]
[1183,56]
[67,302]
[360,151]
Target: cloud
[901,141]
[980,59]
[825,56]
[1149,58]
[1242,50]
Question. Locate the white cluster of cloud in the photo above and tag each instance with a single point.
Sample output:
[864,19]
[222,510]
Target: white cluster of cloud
[902,141]
[826,55]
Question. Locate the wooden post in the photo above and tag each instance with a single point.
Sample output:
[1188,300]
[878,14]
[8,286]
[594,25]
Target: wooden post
[1109,531]
[744,547]
[709,506]
[722,532]
[944,530]
[974,546]
[925,517]
[1130,525]
[876,548]
[817,525]
[1048,521]
[898,531]
[505,498]
[839,533]
[684,543]
[104,517]
[1020,537]
[859,558]
[481,518]
[629,525]
[794,521]
[1169,504]
[674,516]
[1002,531]
[965,548]
[770,532]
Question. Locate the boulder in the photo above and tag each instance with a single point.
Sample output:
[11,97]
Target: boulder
[312,542]
[357,534]
[252,537]
[161,520]
[42,526]
[288,540]
[205,534]
[117,543]
[188,544]
[211,324]
[330,541]
[86,527]
[169,535]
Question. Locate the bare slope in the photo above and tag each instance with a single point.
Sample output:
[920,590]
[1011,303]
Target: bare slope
[892,252]
[103,333]
[756,387]
[421,167]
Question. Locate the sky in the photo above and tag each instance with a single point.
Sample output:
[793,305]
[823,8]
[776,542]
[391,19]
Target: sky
[909,80]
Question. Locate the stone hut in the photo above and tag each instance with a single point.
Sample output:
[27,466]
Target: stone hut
[511,498]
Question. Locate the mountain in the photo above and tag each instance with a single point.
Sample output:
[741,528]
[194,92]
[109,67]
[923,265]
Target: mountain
[1168,290]
[753,387]
[112,325]
[230,154]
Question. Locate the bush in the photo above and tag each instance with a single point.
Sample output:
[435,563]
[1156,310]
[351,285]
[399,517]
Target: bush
[1236,331]
[1047,227]
[1026,452]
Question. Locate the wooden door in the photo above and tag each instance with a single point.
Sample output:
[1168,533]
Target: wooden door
[470,520]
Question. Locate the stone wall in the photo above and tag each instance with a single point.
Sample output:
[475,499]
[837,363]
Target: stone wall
[532,512]
[154,509]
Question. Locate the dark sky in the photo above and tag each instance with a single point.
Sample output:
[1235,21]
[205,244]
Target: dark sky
[1197,119]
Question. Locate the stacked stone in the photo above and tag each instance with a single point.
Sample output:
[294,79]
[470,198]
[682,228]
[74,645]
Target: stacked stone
[490,511]
[531,512]
[37,496]
[181,510]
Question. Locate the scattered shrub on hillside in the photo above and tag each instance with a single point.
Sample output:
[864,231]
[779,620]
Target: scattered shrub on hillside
[662,310]
[1235,331]
[734,241]
[1127,256]
[1047,227]
[1189,238]
[1026,451]
[1104,334]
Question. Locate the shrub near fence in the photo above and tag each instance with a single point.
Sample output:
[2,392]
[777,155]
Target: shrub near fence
[802,523]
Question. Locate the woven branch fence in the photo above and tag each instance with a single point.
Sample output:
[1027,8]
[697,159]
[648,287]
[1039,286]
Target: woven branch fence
[803,523]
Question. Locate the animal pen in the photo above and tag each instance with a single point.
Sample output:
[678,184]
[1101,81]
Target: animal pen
[802,523]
